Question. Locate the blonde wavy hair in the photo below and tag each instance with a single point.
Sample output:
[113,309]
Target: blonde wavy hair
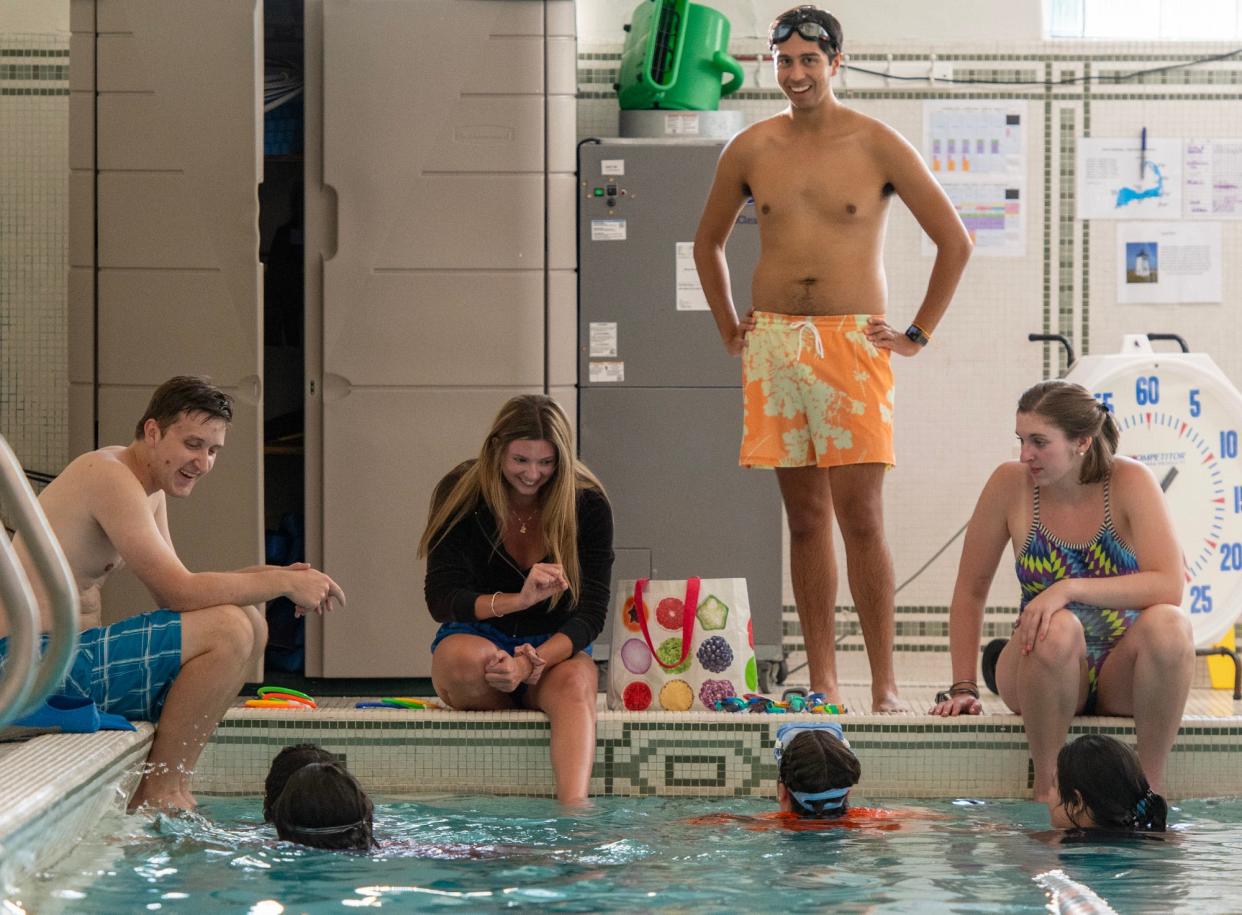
[529,417]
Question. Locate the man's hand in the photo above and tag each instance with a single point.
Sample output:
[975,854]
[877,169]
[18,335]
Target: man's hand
[737,342]
[546,579]
[883,335]
[310,589]
[505,672]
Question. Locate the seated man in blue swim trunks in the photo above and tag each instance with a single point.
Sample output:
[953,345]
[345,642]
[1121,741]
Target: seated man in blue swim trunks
[181,666]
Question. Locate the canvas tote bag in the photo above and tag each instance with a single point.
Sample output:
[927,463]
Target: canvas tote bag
[680,645]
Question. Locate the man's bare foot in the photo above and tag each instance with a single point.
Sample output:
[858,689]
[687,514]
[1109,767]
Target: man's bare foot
[887,703]
[172,803]
[163,793]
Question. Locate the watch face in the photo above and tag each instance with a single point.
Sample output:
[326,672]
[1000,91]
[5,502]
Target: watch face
[1184,424]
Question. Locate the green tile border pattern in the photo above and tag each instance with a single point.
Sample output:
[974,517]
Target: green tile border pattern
[693,754]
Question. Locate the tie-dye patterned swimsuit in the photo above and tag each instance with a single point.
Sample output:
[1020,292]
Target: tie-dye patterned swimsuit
[1045,560]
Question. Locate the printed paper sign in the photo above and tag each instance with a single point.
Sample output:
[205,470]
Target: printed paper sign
[606,372]
[1168,262]
[607,230]
[690,295]
[603,338]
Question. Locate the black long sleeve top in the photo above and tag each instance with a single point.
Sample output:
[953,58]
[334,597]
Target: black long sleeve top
[466,564]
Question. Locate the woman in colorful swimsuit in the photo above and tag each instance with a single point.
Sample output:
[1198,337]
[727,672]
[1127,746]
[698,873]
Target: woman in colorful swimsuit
[1092,537]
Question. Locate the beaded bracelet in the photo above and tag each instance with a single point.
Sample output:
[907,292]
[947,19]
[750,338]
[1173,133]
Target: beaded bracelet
[959,688]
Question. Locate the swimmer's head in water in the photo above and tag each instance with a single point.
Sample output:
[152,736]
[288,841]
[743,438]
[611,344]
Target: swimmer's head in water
[816,766]
[1102,785]
[811,23]
[323,806]
[286,762]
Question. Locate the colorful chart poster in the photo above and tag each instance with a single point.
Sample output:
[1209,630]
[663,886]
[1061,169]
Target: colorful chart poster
[1119,179]
[977,151]
[1213,179]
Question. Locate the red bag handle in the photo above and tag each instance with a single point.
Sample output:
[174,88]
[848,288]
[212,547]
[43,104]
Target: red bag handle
[690,608]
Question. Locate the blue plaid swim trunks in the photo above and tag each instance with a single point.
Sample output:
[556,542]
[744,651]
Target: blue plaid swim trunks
[125,668]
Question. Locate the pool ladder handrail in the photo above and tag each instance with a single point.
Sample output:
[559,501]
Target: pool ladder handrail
[26,682]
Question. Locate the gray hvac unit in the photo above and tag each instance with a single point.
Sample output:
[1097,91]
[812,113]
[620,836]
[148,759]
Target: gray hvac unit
[659,401]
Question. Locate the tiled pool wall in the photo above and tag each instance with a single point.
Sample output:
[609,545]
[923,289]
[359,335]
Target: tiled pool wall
[658,753]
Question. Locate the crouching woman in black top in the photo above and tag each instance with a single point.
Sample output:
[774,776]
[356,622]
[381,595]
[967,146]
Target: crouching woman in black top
[519,561]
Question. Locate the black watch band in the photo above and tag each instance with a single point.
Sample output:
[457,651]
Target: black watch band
[918,335]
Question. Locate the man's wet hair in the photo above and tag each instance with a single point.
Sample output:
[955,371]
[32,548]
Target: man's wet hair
[832,46]
[816,761]
[187,394]
[323,806]
[286,762]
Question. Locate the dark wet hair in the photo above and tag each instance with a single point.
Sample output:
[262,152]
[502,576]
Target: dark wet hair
[1071,408]
[286,762]
[1107,775]
[185,394]
[323,806]
[816,761]
[832,46]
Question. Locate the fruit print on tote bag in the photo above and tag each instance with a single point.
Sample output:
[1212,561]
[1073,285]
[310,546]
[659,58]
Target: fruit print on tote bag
[680,645]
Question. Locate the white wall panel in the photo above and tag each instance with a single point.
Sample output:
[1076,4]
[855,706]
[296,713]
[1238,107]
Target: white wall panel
[433,283]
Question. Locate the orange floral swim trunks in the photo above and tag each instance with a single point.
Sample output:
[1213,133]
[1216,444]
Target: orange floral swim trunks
[815,393]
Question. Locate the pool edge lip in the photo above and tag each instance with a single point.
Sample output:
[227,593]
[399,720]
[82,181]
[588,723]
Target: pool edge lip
[54,787]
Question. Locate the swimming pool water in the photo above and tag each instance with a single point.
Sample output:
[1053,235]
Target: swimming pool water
[629,854]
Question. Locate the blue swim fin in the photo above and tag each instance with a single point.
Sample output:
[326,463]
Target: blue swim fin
[73,715]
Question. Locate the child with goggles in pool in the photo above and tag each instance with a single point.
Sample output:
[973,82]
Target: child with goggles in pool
[815,769]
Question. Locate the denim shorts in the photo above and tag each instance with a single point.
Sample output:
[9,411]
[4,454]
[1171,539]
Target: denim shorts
[125,668]
[502,640]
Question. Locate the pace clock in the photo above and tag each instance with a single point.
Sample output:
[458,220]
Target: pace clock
[1181,416]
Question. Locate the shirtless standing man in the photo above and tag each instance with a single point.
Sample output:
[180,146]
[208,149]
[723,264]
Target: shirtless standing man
[182,665]
[818,387]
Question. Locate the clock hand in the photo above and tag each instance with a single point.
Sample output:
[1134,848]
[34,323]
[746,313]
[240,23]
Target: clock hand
[1168,479]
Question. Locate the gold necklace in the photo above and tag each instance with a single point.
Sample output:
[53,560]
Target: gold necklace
[522,520]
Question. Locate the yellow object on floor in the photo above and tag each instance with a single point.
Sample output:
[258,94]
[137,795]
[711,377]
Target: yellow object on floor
[1220,667]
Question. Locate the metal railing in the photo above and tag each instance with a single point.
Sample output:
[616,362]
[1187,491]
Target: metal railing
[27,682]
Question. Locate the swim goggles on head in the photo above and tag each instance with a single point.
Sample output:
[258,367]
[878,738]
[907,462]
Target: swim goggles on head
[325,830]
[787,732]
[833,797]
[808,28]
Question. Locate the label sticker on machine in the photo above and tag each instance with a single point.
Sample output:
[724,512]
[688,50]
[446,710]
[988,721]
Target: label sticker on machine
[605,372]
[612,166]
[603,339]
[683,123]
[690,295]
[607,230]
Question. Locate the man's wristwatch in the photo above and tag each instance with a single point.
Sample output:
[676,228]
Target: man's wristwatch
[918,335]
